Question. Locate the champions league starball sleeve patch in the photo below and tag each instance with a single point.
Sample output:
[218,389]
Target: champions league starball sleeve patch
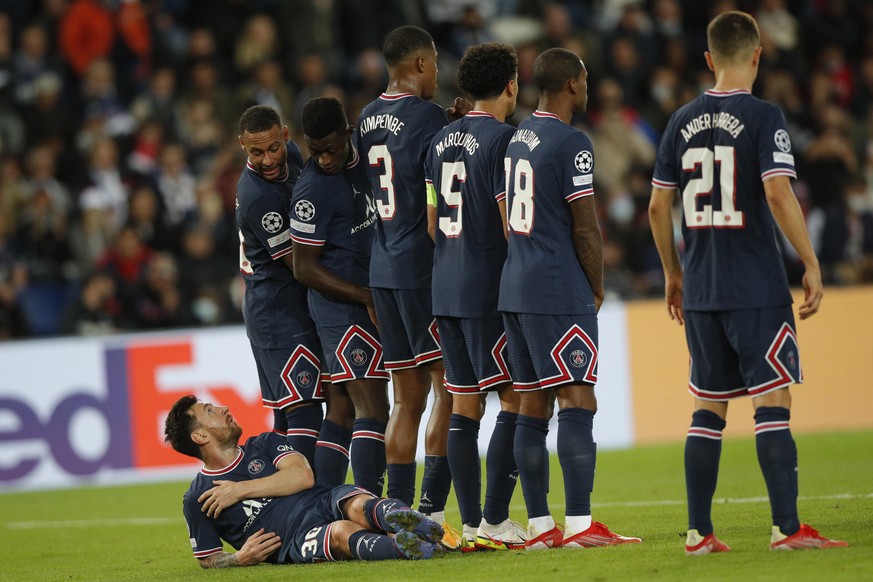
[584,161]
[305,210]
[272,222]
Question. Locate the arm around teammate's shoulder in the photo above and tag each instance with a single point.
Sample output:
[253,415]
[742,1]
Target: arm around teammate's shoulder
[786,211]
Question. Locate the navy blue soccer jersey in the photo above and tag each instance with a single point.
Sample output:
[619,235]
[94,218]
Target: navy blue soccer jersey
[465,168]
[275,306]
[717,151]
[394,132]
[549,164]
[257,458]
[337,213]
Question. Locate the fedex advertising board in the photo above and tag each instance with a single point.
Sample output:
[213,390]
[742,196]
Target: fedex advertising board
[83,411]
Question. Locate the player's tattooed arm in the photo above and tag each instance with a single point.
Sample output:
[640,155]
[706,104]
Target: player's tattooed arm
[222,560]
[258,547]
[588,244]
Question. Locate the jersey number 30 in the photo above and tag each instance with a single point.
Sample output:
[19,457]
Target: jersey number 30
[705,216]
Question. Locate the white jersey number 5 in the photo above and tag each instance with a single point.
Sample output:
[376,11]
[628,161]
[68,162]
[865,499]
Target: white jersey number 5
[705,217]
[380,154]
[451,170]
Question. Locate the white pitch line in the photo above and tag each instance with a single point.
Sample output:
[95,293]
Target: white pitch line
[717,501]
[144,521]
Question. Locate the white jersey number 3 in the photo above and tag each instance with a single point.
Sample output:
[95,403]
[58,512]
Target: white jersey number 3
[521,183]
[705,217]
[377,154]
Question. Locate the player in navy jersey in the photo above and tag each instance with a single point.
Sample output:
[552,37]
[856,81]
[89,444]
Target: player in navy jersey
[394,132]
[464,171]
[283,338]
[261,498]
[729,156]
[332,217]
[550,292]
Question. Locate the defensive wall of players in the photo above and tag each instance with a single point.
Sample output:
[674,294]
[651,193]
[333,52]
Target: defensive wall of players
[90,410]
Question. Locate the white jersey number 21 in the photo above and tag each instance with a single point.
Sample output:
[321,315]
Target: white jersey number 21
[705,216]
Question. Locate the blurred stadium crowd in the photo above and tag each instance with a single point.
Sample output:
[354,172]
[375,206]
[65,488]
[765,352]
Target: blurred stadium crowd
[119,154]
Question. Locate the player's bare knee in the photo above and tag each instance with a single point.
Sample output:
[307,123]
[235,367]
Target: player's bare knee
[718,408]
[576,396]
[469,405]
[781,398]
[340,532]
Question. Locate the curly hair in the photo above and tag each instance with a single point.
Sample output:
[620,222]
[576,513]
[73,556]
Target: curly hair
[258,118]
[404,41]
[179,426]
[323,116]
[486,69]
[555,67]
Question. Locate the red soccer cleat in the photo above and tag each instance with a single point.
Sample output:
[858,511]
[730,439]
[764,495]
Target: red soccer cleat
[707,545]
[553,538]
[805,538]
[598,535]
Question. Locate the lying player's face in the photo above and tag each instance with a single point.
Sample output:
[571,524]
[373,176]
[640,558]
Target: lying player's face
[331,151]
[266,151]
[581,102]
[218,422]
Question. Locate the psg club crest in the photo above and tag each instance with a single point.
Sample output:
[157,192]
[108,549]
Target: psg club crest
[578,359]
[783,142]
[272,222]
[359,357]
[792,360]
[304,378]
[305,210]
[584,161]
[256,466]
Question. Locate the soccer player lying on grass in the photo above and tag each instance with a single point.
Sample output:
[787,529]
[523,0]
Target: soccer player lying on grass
[261,498]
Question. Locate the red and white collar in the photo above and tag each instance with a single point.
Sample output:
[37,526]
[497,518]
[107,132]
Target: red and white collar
[714,93]
[539,113]
[227,469]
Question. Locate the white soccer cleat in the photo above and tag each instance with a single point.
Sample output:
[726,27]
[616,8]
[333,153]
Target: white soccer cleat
[507,535]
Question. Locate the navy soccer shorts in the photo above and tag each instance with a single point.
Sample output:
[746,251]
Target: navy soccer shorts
[354,351]
[290,375]
[311,539]
[735,353]
[474,354]
[546,351]
[408,329]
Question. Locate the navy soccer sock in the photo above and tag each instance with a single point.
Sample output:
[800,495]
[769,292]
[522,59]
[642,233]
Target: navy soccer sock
[500,468]
[532,459]
[465,466]
[368,454]
[577,453]
[401,482]
[370,546]
[702,454]
[435,484]
[304,422]
[376,508]
[280,425]
[777,455]
[332,454]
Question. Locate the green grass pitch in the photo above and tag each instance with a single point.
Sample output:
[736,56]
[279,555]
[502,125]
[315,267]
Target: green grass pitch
[137,532]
